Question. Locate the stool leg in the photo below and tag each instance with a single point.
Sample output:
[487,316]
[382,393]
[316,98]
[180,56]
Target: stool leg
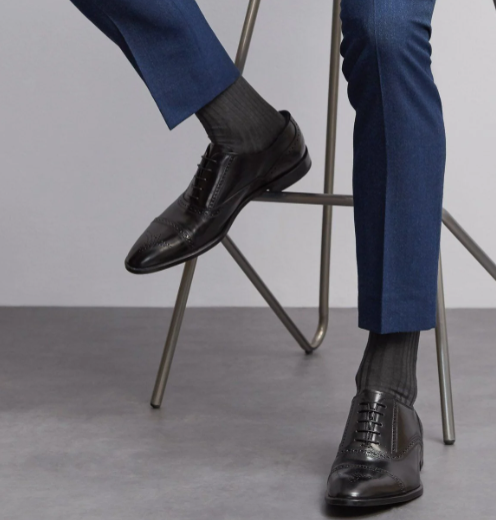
[469,243]
[267,295]
[443,363]
[330,162]
[173,334]
[246,34]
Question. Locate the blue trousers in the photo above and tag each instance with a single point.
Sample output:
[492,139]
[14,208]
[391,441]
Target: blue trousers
[399,139]
[171,46]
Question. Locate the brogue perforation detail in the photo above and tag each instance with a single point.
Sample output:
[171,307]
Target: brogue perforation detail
[394,446]
[151,241]
[195,210]
[221,182]
[380,455]
[400,483]
[182,232]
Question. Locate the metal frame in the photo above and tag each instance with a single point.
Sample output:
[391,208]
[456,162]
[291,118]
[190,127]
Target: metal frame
[328,200]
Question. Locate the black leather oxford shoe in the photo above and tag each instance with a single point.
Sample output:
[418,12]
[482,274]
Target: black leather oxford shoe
[224,183]
[381,454]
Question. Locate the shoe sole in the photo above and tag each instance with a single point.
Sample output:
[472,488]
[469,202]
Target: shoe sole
[280,183]
[372,502]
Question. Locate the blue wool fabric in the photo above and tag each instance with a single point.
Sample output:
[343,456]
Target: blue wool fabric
[171,46]
[399,161]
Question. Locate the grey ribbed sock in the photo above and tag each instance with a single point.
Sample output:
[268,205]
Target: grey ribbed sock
[389,364]
[241,120]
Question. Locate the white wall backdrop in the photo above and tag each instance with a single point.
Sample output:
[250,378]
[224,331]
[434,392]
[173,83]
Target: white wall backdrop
[86,160]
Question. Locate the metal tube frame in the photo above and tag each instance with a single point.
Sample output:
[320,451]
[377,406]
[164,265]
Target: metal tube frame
[328,200]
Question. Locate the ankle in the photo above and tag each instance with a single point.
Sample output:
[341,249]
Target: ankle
[389,365]
[240,120]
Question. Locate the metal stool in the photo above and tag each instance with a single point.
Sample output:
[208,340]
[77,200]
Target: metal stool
[327,199]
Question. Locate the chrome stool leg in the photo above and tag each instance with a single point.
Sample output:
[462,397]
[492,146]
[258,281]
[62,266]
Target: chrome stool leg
[189,268]
[267,295]
[330,164]
[443,363]
[469,243]
[332,114]
[173,334]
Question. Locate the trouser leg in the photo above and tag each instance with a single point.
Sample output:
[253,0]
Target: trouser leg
[171,46]
[399,160]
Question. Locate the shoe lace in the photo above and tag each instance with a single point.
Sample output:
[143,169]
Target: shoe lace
[196,185]
[369,416]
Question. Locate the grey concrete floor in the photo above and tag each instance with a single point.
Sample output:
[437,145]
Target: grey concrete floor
[249,426]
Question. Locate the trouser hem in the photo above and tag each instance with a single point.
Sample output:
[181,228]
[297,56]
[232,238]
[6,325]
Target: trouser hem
[396,313]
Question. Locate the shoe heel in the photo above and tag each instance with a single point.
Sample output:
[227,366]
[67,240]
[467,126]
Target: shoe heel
[293,176]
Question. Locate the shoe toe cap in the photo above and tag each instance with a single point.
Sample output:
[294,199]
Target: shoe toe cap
[157,248]
[357,482]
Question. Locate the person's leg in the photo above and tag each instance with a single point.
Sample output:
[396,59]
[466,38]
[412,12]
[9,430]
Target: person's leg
[399,161]
[240,119]
[389,364]
[254,147]
[398,171]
